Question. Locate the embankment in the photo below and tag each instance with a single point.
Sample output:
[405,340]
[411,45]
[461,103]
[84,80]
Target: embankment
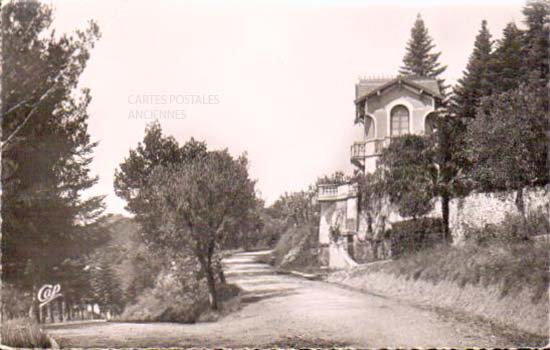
[489,292]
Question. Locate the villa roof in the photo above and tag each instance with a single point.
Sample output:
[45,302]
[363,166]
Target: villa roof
[370,87]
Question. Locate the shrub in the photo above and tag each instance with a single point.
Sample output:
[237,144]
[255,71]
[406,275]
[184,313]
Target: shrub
[15,302]
[409,174]
[175,299]
[23,333]
[411,236]
[297,248]
[508,140]
[170,300]
[512,229]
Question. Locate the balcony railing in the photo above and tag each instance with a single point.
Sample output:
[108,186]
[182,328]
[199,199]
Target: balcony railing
[363,149]
[331,192]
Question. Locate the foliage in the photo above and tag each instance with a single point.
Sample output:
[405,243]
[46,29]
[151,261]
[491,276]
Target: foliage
[508,140]
[134,266]
[15,302]
[132,176]
[265,233]
[23,333]
[412,236]
[476,81]
[297,248]
[251,233]
[170,300]
[420,59]
[299,209]
[410,176]
[46,148]
[499,263]
[536,46]
[507,66]
[142,267]
[178,295]
[518,67]
[201,202]
[371,189]
[106,287]
[513,229]
[296,208]
[336,178]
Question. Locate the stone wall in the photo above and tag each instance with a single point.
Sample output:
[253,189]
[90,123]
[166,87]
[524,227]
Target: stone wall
[474,211]
[369,244]
[481,209]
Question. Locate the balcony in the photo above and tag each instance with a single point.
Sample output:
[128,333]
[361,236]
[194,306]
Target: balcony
[332,192]
[364,149]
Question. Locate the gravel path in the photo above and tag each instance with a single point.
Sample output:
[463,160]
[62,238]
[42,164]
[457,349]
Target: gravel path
[286,311]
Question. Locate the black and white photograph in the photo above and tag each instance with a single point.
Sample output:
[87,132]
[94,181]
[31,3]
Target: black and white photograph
[275,174]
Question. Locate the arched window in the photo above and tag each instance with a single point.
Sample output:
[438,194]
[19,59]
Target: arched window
[369,127]
[399,120]
[430,125]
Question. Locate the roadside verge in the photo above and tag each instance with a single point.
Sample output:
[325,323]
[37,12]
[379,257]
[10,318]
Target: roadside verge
[516,310]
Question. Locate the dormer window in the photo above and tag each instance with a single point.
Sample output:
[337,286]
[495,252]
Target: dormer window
[399,120]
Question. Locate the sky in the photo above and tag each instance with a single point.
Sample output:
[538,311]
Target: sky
[273,79]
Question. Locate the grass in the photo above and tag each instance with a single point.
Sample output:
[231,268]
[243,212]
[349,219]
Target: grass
[24,333]
[512,266]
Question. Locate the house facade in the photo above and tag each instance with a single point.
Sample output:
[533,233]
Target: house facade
[385,108]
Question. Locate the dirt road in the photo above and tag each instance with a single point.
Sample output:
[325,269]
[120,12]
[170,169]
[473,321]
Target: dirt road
[286,311]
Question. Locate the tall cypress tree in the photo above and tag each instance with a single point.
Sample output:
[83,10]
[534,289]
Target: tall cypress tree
[420,59]
[476,81]
[507,64]
[536,48]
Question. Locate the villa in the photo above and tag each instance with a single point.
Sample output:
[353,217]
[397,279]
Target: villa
[385,108]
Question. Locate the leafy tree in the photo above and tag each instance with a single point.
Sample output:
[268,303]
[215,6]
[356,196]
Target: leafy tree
[420,59]
[131,178]
[536,47]
[201,202]
[410,176]
[296,208]
[509,140]
[476,81]
[46,148]
[250,233]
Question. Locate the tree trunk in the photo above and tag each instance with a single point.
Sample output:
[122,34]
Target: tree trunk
[34,312]
[60,309]
[520,203]
[50,312]
[69,310]
[213,298]
[221,276]
[445,215]
[41,314]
